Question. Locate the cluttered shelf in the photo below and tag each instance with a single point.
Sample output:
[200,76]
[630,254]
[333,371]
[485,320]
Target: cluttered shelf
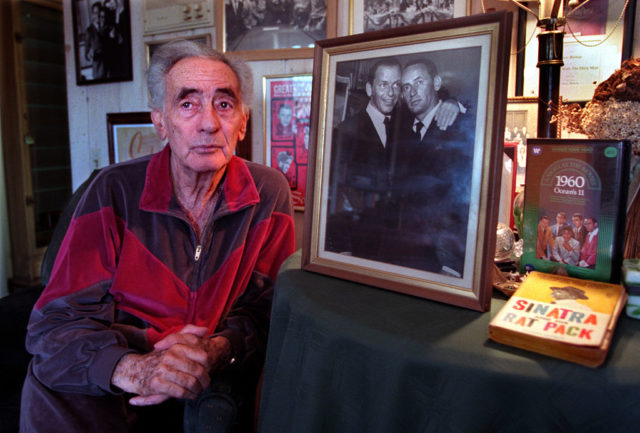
[345,357]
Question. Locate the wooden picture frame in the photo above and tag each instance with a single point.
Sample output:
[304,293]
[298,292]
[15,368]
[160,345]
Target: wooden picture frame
[594,46]
[131,135]
[287,106]
[265,35]
[102,41]
[371,15]
[568,178]
[418,223]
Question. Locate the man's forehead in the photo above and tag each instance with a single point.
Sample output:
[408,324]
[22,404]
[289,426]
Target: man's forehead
[386,70]
[202,74]
[415,71]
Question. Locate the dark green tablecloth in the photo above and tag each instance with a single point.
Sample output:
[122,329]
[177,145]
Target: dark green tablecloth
[344,357]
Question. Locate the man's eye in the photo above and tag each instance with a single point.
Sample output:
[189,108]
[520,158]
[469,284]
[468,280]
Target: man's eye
[186,104]
[224,105]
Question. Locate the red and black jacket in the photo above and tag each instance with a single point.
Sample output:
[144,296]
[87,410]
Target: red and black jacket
[131,270]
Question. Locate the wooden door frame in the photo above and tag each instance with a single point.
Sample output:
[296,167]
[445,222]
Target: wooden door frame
[26,257]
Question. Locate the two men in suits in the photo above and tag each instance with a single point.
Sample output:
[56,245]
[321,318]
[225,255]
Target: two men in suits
[382,173]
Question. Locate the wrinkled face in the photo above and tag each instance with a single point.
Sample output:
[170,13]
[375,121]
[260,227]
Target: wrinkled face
[419,89]
[384,92]
[285,114]
[577,222]
[202,116]
[590,225]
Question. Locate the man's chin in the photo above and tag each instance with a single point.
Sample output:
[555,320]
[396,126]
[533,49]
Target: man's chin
[211,163]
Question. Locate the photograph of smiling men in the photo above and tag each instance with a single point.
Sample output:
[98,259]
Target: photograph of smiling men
[399,194]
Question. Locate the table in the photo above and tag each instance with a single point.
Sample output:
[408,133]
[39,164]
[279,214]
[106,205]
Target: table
[345,357]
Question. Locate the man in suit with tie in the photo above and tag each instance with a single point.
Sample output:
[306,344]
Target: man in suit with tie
[360,159]
[432,174]
[589,252]
[579,230]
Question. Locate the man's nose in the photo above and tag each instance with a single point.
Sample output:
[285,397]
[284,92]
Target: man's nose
[210,119]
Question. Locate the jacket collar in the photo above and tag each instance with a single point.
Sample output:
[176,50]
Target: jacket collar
[238,186]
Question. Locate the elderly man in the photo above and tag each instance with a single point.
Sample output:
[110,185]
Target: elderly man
[431,177]
[162,288]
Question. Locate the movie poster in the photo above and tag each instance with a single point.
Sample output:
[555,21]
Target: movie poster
[287,109]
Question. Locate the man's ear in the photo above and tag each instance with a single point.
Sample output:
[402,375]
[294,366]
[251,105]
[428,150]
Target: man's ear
[437,82]
[368,89]
[158,123]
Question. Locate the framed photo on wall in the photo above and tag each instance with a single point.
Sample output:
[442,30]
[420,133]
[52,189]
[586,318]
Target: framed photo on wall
[270,30]
[287,106]
[520,124]
[370,15]
[131,135]
[397,203]
[102,38]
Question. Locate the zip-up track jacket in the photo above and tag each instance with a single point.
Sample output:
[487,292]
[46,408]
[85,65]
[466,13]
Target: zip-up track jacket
[131,270]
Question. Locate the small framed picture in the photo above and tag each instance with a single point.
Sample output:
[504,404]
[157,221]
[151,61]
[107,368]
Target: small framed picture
[270,30]
[152,46]
[400,195]
[287,106]
[102,38]
[520,124]
[370,15]
[575,207]
[131,135]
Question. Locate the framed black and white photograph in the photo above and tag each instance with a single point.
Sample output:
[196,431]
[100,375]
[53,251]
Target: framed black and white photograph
[521,123]
[274,29]
[370,15]
[102,38]
[402,191]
